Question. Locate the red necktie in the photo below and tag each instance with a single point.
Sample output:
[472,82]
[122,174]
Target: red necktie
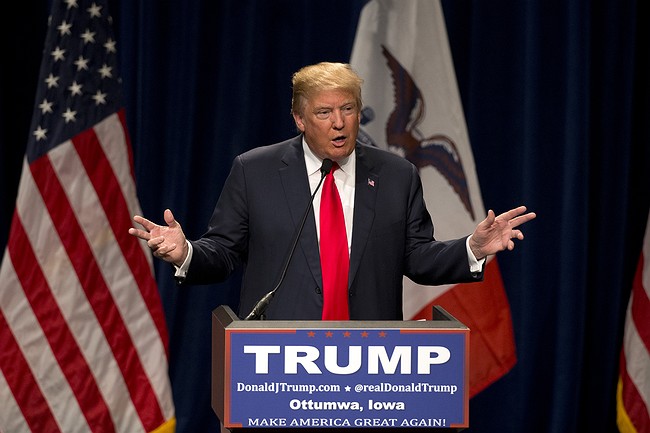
[334,255]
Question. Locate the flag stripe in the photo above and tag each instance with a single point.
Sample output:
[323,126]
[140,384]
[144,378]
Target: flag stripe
[44,305]
[641,305]
[20,380]
[95,288]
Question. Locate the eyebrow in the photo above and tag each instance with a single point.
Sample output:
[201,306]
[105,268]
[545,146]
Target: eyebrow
[320,107]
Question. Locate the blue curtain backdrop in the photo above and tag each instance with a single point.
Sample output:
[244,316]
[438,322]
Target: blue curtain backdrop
[557,101]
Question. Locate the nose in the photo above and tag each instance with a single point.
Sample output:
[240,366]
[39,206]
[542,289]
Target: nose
[337,119]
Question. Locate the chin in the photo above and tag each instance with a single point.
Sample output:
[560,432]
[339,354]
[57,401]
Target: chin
[341,153]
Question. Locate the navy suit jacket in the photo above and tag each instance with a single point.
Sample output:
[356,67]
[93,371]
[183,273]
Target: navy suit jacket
[259,212]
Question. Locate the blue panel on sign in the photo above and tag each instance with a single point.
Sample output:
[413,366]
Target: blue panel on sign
[347,378]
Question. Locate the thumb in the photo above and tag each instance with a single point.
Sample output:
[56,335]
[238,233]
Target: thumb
[169,218]
[489,219]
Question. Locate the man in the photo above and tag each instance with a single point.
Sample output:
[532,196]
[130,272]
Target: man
[387,226]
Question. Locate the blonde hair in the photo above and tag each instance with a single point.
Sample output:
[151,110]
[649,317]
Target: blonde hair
[324,76]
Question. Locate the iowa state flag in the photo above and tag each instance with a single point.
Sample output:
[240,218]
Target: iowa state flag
[412,107]
[83,340]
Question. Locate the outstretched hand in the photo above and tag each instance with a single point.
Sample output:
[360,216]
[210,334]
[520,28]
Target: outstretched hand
[167,242]
[497,233]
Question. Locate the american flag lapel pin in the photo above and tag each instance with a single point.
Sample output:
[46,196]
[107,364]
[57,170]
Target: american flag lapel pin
[371,182]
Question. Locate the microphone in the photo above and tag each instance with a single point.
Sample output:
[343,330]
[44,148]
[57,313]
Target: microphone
[262,304]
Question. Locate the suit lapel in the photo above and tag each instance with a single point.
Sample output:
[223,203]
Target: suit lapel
[297,194]
[365,194]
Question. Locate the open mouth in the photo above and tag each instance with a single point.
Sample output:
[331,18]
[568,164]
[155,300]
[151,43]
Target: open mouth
[339,141]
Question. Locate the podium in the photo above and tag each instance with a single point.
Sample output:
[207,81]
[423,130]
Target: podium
[343,376]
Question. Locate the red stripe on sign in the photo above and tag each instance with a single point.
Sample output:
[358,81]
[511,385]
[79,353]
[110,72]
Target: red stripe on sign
[54,326]
[97,292]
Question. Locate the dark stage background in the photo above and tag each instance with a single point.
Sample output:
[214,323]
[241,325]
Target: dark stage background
[557,101]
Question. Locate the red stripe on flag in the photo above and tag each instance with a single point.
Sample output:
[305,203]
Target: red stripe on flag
[129,150]
[22,383]
[635,408]
[98,294]
[115,207]
[641,305]
[54,326]
[632,400]
[483,307]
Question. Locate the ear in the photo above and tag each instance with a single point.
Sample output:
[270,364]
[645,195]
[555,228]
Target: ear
[299,123]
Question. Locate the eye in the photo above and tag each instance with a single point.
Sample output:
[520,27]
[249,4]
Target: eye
[348,109]
[323,114]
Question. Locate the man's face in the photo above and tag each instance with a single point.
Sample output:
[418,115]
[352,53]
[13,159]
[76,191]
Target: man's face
[330,122]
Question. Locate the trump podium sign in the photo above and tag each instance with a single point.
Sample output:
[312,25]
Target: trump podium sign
[321,374]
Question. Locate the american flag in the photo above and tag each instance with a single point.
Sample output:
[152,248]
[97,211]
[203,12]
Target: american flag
[82,330]
[633,392]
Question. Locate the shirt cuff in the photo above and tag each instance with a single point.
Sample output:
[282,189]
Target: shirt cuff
[475,266]
[181,271]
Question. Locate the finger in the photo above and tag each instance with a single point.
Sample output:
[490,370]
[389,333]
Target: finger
[517,234]
[156,243]
[148,225]
[517,221]
[165,250]
[489,219]
[512,213]
[141,234]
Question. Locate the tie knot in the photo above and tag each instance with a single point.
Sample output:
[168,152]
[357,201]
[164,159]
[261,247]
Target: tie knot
[335,166]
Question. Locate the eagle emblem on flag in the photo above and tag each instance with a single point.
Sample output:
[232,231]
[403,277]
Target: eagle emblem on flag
[437,150]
